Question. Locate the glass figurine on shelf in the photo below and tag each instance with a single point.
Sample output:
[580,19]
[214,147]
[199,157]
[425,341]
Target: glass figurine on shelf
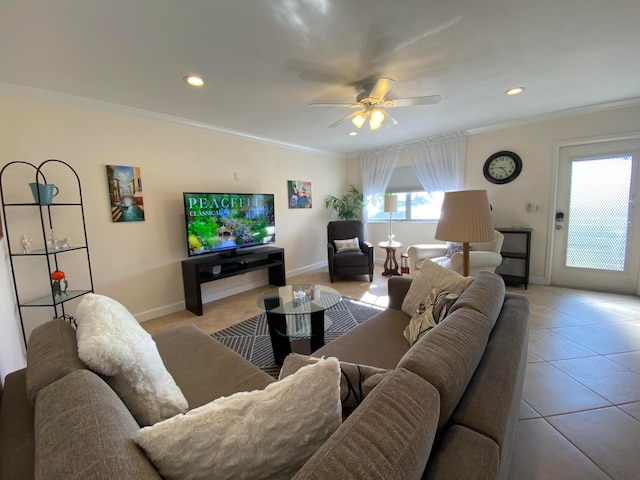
[59,283]
[26,243]
[52,243]
[65,243]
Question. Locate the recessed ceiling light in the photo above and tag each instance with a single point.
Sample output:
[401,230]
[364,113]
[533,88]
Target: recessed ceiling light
[515,91]
[194,80]
[352,134]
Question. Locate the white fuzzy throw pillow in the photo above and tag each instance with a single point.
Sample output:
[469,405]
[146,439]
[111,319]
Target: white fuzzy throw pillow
[112,343]
[264,434]
[432,275]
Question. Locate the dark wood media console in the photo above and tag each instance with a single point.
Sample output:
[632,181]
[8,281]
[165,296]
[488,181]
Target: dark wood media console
[199,270]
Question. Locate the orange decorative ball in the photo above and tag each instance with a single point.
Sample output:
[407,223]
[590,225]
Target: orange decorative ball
[57,275]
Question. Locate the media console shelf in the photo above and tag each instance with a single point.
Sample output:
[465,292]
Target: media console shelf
[199,270]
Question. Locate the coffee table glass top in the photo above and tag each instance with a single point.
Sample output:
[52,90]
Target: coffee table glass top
[298,299]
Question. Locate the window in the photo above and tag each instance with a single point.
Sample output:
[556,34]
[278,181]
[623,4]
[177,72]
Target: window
[413,202]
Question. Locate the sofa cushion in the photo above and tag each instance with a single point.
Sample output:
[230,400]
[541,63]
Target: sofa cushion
[486,296]
[389,436]
[431,312]
[377,342]
[432,275]
[83,430]
[226,372]
[356,381]
[112,342]
[266,433]
[448,355]
[463,453]
[52,353]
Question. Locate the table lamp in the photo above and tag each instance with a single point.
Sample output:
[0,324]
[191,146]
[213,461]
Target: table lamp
[390,207]
[465,217]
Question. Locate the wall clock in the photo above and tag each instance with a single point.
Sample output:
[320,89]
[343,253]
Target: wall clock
[502,167]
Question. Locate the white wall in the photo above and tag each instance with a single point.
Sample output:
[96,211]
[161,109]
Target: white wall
[537,145]
[139,263]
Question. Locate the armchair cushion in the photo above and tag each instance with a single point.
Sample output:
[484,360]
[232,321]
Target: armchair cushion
[349,245]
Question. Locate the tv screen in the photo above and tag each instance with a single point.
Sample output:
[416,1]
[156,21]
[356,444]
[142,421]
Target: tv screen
[227,221]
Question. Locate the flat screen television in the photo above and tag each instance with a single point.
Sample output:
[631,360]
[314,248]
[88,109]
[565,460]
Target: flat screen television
[218,222]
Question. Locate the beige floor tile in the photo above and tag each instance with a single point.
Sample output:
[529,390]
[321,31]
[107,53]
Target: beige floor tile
[550,391]
[547,317]
[541,453]
[598,339]
[629,330]
[608,436]
[550,345]
[613,381]
[630,360]
[533,357]
[526,411]
[632,409]
[593,313]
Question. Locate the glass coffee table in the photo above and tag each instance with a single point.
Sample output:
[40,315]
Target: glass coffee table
[297,312]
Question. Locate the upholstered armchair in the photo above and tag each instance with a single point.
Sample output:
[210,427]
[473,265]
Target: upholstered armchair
[346,255]
[482,256]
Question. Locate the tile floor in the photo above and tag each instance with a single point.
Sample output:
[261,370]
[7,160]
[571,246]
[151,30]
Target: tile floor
[580,411]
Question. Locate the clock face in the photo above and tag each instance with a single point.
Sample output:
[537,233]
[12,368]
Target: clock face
[502,167]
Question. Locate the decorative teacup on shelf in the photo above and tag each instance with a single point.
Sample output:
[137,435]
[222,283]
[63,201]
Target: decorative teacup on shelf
[47,192]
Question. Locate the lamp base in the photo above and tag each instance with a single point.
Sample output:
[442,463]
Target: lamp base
[391,236]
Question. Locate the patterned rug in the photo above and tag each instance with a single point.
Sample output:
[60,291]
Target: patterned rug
[250,338]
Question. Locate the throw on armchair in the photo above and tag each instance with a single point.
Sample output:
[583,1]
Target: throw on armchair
[348,252]
[482,256]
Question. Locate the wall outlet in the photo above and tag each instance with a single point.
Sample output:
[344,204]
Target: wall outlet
[236,177]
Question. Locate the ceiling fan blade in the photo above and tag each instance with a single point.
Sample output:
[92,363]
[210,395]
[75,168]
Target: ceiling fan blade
[380,89]
[389,120]
[346,105]
[407,102]
[343,119]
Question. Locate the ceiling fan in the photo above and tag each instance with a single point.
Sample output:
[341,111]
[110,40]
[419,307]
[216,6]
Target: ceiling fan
[371,103]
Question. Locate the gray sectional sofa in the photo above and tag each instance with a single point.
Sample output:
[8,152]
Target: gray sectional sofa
[447,410]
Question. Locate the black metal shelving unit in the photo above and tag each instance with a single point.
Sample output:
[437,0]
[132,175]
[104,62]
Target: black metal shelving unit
[12,193]
[516,255]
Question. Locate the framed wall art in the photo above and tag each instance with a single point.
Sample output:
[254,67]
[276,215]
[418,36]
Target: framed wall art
[299,193]
[125,193]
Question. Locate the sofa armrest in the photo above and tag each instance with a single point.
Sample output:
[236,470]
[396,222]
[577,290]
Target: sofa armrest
[397,288]
[417,253]
[477,259]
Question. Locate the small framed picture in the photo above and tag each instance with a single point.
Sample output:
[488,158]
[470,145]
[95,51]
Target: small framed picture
[125,193]
[299,193]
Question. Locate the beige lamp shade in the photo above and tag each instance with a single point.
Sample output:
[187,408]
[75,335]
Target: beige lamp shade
[390,203]
[465,217]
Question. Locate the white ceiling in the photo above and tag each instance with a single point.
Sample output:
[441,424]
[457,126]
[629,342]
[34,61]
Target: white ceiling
[265,61]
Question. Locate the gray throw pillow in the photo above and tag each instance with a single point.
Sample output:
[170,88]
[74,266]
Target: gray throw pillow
[355,383]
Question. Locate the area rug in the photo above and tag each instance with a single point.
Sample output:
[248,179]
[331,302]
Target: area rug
[250,338]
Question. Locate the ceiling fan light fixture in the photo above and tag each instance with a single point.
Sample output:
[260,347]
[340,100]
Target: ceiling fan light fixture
[376,118]
[359,119]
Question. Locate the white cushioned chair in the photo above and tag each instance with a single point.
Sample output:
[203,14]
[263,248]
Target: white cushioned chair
[482,256]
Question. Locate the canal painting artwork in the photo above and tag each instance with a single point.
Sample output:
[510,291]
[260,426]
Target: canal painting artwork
[125,192]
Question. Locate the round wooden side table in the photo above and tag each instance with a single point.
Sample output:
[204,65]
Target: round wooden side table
[390,263]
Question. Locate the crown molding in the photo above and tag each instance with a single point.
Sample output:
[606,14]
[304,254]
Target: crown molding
[77,101]
[571,112]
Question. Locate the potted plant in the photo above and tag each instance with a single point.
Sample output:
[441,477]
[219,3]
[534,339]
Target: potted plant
[347,207]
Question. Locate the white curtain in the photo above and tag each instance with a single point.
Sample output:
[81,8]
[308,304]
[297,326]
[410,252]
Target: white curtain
[439,162]
[376,167]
